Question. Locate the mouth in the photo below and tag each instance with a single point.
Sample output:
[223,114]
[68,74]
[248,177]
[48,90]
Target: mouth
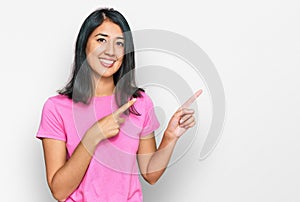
[107,62]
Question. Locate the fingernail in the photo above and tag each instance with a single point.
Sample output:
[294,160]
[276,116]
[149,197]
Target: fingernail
[199,92]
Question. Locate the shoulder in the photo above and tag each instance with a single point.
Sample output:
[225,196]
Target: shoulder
[56,102]
[145,100]
[148,119]
[59,99]
[143,104]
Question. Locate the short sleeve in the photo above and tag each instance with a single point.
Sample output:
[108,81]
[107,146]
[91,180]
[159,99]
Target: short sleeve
[51,124]
[151,122]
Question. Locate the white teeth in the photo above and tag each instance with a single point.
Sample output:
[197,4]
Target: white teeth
[108,62]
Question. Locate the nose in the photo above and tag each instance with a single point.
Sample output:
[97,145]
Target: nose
[110,48]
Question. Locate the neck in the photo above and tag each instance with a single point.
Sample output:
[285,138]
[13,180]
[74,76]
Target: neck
[104,86]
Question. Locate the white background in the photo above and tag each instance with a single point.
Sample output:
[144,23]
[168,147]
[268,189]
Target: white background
[255,47]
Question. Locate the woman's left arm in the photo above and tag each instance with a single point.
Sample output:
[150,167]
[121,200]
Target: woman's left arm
[153,161]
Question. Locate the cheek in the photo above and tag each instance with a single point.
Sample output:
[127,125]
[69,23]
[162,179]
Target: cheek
[119,53]
[120,61]
[94,49]
[88,49]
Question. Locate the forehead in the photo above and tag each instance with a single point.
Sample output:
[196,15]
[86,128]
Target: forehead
[109,28]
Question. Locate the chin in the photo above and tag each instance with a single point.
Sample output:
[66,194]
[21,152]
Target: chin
[108,73]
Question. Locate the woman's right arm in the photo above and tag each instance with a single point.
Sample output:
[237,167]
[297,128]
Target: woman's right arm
[64,176]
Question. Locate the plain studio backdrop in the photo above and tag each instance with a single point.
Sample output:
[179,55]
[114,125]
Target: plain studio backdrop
[255,48]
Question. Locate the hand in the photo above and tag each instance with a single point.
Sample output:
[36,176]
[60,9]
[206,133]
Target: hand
[109,126]
[183,118]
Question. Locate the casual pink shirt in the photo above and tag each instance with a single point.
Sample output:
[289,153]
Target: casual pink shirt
[112,175]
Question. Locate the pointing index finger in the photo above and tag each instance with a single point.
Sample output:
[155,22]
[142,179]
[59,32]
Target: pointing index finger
[191,99]
[124,107]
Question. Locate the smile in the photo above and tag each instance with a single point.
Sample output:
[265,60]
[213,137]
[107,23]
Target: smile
[107,63]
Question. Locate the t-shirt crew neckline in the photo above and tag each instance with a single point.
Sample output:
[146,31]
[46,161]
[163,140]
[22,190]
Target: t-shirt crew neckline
[102,97]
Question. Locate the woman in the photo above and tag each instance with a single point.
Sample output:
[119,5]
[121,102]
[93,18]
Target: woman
[101,122]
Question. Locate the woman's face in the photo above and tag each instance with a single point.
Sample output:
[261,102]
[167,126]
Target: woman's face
[105,49]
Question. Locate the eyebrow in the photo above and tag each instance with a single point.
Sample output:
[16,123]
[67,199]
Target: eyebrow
[105,35]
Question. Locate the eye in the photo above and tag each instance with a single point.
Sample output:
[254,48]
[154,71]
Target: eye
[101,40]
[120,43]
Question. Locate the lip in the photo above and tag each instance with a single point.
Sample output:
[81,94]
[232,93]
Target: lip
[107,62]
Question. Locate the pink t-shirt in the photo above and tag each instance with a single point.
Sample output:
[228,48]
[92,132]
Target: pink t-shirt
[112,175]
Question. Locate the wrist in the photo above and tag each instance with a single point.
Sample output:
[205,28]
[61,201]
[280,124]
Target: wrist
[170,136]
[91,139]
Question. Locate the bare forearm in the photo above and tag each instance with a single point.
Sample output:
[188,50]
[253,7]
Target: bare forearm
[68,177]
[160,159]
[154,164]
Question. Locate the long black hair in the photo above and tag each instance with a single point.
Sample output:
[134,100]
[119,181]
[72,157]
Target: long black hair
[81,87]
